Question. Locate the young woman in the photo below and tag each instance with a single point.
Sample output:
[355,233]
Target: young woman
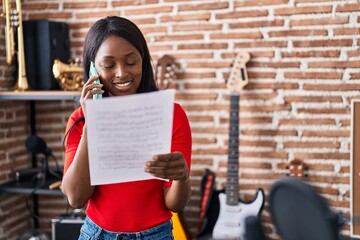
[131,210]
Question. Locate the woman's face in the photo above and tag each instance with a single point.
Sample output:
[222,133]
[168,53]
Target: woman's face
[119,65]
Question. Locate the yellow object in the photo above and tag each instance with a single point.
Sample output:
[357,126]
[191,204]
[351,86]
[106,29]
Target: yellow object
[13,21]
[70,76]
[178,228]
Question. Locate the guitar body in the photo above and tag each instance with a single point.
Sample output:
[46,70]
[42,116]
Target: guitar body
[231,221]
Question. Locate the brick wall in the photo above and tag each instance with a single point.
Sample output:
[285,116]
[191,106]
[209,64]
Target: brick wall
[302,77]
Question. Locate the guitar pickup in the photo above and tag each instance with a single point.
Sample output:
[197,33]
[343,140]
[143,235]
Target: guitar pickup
[234,209]
[232,223]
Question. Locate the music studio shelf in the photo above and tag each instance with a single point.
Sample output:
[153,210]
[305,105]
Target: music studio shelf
[31,97]
[40,95]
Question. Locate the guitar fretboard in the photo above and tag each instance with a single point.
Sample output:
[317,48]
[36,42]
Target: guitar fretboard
[232,183]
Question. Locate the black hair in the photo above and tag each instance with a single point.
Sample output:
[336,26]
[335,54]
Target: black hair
[124,28]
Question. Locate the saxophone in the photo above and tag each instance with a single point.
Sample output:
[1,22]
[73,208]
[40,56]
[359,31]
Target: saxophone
[70,76]
[13,20]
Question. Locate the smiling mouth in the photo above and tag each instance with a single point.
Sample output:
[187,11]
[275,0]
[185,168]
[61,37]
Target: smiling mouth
[122,85]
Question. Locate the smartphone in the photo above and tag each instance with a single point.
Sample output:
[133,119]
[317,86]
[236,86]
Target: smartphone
[93,72]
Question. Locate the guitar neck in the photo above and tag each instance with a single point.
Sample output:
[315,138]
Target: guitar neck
[232,183]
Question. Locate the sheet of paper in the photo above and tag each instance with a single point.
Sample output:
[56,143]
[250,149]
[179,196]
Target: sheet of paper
[125,132]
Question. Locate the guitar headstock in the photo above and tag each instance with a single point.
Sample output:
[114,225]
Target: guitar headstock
[238,78]
[297,168]
[165,72]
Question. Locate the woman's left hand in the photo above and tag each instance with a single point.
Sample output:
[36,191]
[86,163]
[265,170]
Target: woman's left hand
[168,166]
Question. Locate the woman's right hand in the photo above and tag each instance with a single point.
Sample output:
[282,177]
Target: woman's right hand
[89,89]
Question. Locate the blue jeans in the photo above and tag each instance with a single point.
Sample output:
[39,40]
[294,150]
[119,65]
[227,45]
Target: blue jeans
[91,231]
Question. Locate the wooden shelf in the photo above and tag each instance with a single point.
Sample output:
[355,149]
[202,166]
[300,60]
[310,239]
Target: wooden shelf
[40,95]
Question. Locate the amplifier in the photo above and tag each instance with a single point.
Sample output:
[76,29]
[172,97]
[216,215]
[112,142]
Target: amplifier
[66,228]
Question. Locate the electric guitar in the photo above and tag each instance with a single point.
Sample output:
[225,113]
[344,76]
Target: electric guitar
[233,212]
[164,75]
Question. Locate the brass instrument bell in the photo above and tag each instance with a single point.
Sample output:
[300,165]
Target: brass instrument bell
[70,76]
[13,20]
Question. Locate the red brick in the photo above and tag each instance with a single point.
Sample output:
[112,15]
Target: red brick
[320,21]
[203,6]
[310,53]
[295,98]
[195,75]
[328,179]
[323,43]
[197,27]
[185,17]
[248,3]
[84,5]
[324,110]
[328,133]
[311,144]
[242,14]
[148,10]
[174,38]
[205,46]
[348,7]
[306,121]
[257,24]
[274,64]
[261,132]
[198,96]
[119,3]
[346,31]
[332,87]
[26,6]
[204,140]
[303,10]
[151,30]
[96,15]
[297,33]
[40,16]
[240,35]
[334,64]
[285,85]
[249,120]
[354,75]
[353,53]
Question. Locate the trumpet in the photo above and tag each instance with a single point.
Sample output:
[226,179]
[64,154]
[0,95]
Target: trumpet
[13,20]
[70,76]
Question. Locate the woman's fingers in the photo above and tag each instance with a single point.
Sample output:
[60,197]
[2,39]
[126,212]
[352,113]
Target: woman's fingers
[169,166]
[90,88]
